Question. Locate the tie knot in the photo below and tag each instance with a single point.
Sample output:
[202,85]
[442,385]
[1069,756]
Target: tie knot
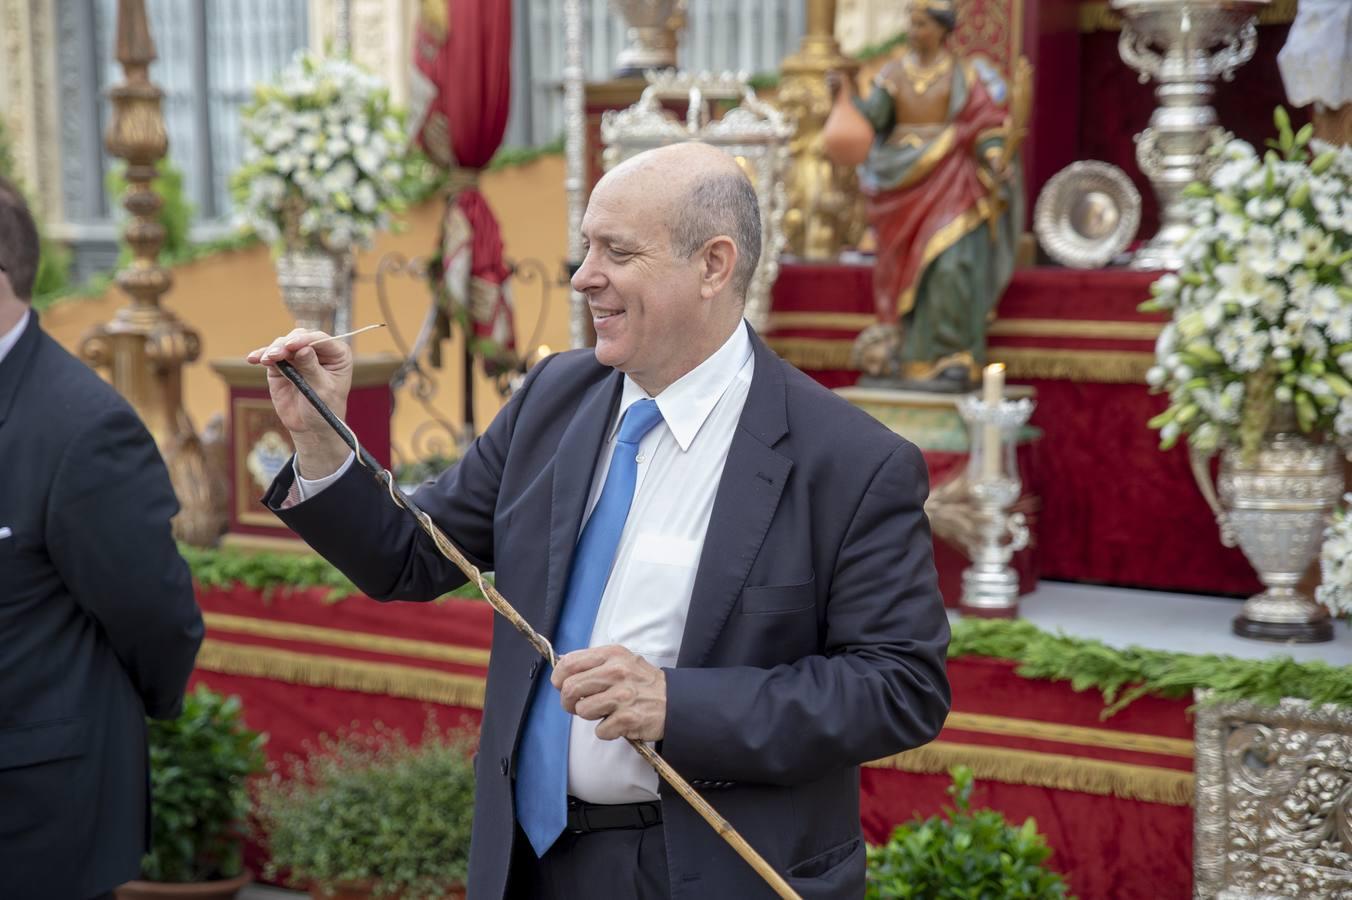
[638,420]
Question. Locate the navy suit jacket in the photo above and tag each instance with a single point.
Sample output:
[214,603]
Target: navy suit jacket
[98,624]
[816,635]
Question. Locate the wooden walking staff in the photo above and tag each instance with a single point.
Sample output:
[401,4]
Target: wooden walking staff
[536,640]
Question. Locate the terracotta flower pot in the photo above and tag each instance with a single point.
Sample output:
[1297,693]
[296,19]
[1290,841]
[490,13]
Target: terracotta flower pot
[172,890]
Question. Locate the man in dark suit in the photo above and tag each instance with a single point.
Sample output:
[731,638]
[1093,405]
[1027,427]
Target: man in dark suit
[734,561]
[98,625]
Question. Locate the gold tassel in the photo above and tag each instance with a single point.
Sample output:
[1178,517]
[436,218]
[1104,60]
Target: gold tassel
[1150,784]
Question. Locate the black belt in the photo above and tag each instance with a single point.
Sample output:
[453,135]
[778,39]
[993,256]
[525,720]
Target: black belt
[584,817]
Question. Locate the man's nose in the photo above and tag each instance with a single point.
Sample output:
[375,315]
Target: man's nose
[588,276]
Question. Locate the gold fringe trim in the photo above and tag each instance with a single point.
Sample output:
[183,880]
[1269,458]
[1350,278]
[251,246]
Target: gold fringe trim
[1070,734]
[1076,328]
[352,640]
[362,676]
[844,321]
[1099,16]
[814,353]
[1104,366]
[1060,772]
[942,239]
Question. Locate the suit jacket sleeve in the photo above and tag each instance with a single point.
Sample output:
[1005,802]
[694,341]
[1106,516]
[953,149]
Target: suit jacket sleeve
[109,536]
[354,524]
[878,688]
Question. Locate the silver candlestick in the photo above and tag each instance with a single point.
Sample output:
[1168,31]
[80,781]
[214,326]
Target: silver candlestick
[1184,45]
[990,586]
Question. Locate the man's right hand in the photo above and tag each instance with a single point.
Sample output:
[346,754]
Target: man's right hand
[328,369]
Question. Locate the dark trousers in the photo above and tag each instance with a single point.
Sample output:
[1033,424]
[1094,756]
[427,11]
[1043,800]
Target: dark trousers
[623,864]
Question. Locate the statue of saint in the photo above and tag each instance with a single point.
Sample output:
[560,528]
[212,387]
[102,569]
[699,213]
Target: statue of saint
[935,155]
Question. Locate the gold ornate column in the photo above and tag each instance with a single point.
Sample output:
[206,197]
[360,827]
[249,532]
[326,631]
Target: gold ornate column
[824,209]
[145,346]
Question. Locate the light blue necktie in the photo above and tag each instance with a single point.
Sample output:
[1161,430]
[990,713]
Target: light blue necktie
[542,762]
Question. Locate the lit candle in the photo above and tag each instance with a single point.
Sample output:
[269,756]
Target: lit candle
[993,390]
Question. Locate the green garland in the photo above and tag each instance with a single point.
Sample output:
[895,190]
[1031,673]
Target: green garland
[273,572]
[1122,676]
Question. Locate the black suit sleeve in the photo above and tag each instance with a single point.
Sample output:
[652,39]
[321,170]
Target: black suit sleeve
[109,536]
[354,524]
[879,688]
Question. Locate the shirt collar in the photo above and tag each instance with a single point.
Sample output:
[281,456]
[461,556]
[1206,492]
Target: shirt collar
[686,404]
[11,337]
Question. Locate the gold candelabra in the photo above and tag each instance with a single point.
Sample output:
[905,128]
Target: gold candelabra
[145,346]
[824,212]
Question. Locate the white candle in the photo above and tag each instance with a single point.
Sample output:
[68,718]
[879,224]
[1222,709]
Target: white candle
[993,391]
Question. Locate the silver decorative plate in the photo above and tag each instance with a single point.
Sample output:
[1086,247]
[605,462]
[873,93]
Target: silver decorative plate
[1087,214]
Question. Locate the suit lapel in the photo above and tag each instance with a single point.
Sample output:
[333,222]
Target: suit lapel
[574,465]
[748,495]
[15,364]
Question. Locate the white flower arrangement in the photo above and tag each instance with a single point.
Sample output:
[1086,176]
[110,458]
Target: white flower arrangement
[325,157]
[1335,562]
[1262,307]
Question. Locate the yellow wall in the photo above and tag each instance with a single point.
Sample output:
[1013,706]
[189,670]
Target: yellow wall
[233,301]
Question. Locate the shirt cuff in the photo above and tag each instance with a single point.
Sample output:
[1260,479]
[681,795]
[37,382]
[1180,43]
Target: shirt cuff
[307,488]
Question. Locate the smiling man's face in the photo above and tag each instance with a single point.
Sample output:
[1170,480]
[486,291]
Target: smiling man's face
[646,306]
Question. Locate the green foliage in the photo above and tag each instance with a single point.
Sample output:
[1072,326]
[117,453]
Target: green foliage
[271,572]
[1125,675]
[374,808]
[176,212]
[963,856]
[200,764]
[265,571]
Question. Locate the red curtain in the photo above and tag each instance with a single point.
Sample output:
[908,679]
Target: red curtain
[466,58]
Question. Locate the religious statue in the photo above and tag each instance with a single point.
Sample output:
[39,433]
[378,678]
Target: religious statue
[935,148]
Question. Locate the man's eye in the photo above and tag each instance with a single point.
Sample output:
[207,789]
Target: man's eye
[620,254]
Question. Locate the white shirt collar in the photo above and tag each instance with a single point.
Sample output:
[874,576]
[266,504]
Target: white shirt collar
[11,337]
[689,400]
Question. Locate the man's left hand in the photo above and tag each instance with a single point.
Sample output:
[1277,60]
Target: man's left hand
[622,689]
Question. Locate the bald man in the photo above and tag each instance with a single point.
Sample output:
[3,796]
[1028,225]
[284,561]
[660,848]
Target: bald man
[733,562]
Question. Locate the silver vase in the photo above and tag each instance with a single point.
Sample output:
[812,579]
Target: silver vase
[1184,45]
[652,34]
[1274,507]
[317,289]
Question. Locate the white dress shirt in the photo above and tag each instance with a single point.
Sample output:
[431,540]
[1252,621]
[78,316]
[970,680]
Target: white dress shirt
[647,597]
[11,337]
[680,464]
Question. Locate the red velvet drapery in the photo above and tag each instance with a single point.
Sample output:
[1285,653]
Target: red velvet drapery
[465,63]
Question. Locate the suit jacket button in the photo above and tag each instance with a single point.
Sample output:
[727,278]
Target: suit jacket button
[504,764]
[534,667]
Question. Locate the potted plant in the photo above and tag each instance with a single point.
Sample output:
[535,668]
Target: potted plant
[373,815]
[1257,359]
[325,160]
[963,855]
[200,764]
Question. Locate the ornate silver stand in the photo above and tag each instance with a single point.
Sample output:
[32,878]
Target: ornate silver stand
[317,289]
[990,586]
[1184,45]
[653,25]
[1274,508]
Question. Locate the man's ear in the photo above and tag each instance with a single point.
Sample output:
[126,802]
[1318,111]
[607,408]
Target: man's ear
[719,258]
